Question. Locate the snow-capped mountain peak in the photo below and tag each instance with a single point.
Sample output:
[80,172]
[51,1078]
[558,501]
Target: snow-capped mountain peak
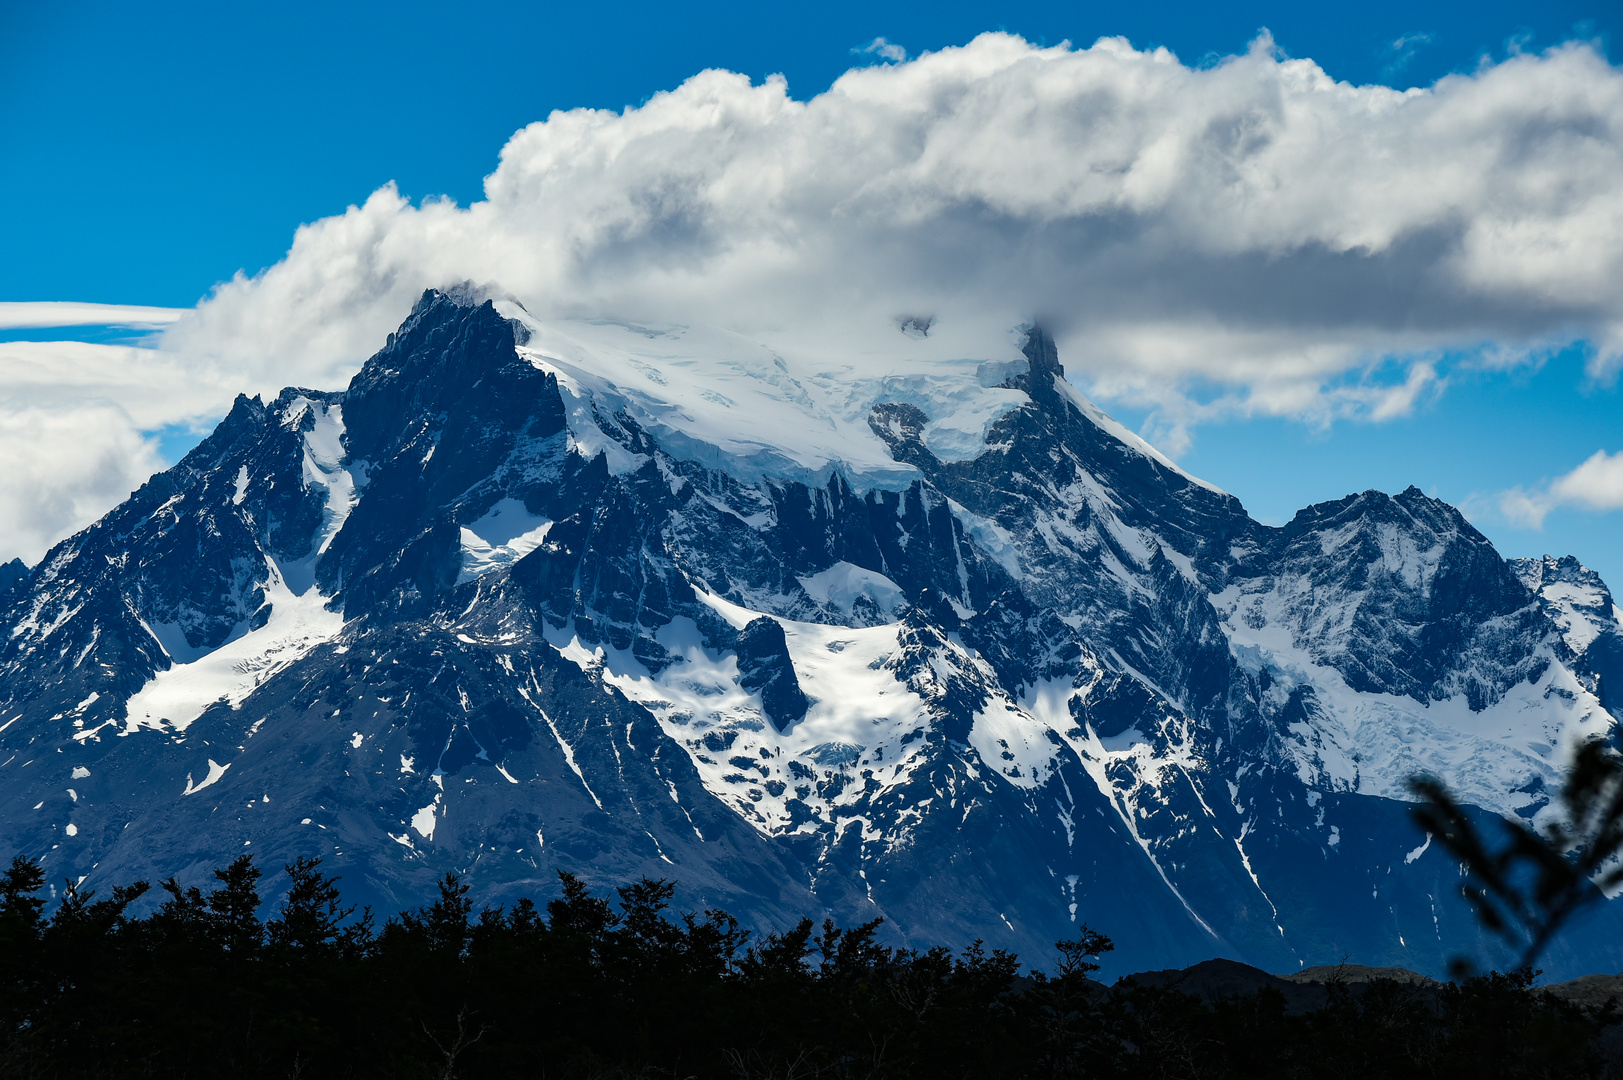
[906,627]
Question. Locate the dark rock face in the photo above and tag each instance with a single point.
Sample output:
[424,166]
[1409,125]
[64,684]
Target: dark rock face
[1035,480]
[468,616]
[764,666]
[1461,633]
[454,381]
[178,569]
[11,574]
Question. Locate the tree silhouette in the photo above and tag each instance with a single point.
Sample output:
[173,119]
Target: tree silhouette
[1528,888]
[592,987]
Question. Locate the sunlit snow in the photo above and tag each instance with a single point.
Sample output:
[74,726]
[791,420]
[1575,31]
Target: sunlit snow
[298,619]
[856,704]
[781,407]
[216,770]
[506,533]
[843,586]
[1373,743]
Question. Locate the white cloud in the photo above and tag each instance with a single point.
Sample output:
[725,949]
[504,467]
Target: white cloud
[1403,49]
[1254,226]
[1216,242]
[72,430]
[155,389]
[885,50]
[1597,484]
[64,468]
[18,315]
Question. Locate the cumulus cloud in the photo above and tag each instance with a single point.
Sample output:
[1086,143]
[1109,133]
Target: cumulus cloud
[76,424]
[64,468]
[1250,237]
[1215,242]
[1597,484]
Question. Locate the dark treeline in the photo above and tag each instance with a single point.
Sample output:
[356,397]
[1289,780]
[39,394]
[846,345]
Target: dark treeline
[203,987]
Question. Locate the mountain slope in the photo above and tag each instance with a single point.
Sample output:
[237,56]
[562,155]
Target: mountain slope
[945,645]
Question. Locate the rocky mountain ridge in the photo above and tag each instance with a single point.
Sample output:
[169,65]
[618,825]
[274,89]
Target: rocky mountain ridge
[627,600]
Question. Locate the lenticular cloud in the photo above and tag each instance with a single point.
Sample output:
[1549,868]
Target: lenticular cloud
[1283,242]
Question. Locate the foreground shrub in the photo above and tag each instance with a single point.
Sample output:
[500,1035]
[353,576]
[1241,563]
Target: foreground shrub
[201,987]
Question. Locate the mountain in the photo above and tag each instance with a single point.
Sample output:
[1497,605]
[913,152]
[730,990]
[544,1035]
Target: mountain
[902,634]
[1590,622]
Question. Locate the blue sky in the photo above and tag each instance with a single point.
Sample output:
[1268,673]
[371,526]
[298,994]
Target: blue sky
[149,154]
[153,150]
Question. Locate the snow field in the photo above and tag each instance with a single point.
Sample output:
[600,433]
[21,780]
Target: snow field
[298,621]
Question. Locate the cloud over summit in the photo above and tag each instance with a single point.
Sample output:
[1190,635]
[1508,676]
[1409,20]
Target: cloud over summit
[1254,228]
[1206,242]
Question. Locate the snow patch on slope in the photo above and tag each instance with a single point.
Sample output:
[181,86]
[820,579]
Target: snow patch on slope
[503,536]
[298,619]
[860,721]
[177,697]
[216,771]
[1574,596]
[1019,747]
[1570,602]
[844,586]
[1373,743]
[785,409]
